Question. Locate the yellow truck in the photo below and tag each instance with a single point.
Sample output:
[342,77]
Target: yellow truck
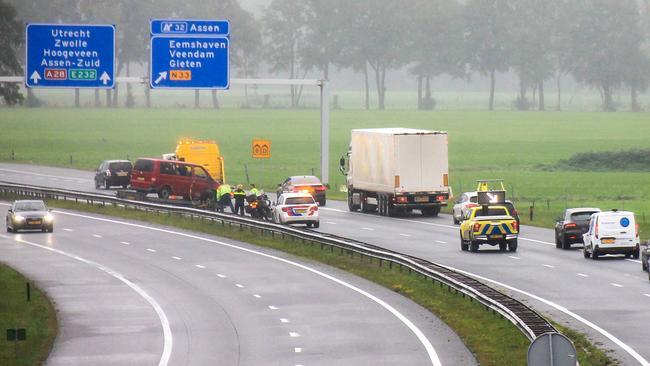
[202,152]
[492,225]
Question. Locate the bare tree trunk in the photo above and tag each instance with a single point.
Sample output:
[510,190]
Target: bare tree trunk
[147,89]
[427,94]
[129,94]
[292,75]
[116,94]
[523,102]
[559,91]
[608,101]
[419,91]
[634,101]
[542,105]
[492,82]
[77,102]
[215,100]
[367,85]
[380,88]
[98,103]
[197,101]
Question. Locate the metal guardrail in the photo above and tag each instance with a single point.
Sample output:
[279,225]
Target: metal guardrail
[531,323]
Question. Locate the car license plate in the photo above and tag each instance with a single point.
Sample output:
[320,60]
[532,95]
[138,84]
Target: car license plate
[300,210]
[421,198]
[122,174]
[608,241]
[496,236]
[140,178]
[35,222]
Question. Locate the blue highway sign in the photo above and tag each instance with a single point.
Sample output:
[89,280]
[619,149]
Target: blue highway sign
[190,27]
[70,56]
[184,62]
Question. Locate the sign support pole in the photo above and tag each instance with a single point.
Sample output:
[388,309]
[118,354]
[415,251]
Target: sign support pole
[324,130]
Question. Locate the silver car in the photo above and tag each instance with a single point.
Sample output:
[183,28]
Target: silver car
[29,215]
[465,201]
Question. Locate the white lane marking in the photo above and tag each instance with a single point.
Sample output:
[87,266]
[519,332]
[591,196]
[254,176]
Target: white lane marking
[297,350]
[633,260]
[239,285]
[513,257]
[284,320]
[431,352]
[548,266]
[441,242]
[294,335]
[582,275]
[648,295]
[46,175]
[616,284]
[273,307]
[97,236]
[151,250]
[66,229]
[257,296]
[199,266]
[167,332]
[221,275]
[536,241]
[405,235]
[561,308]
[177,258]
[125,243]
[331,223]
[367,228]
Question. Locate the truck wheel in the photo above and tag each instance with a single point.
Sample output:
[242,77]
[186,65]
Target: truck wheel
[380,205]
[503,246]
[473,247]
[351,206]
[165,192]
[389,208]
[512,245]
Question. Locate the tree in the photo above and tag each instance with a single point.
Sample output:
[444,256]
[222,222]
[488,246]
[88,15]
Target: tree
[437,44]
[11,37]
[324,35]
[606,33]
[487,37]
[284,22]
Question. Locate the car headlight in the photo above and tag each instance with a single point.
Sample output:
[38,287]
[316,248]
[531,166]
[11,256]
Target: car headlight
[48,218]
[19,218]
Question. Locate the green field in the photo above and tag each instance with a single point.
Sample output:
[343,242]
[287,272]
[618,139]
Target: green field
[37,316]
[482,144]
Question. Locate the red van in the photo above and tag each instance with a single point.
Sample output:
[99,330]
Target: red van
[172,178]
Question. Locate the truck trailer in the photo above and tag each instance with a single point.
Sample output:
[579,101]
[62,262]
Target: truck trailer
[397,170]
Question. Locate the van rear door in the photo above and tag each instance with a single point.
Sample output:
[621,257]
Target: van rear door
[621,227]
[141,174]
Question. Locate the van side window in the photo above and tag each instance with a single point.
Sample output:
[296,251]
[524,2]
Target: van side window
[167,168]
[144,165]
[200,173]
[183,170]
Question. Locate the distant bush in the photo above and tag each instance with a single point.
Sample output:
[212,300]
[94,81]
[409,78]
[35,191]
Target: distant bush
[629,160]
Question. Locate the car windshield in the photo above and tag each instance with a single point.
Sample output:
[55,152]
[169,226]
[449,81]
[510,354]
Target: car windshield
[491,211]
[581,216]
[30,206]
[299,201]
[305,180]
[121,166]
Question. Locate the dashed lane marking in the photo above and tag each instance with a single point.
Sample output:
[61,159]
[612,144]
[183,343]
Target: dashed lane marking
[616,284]
[177,258]
[294,335]
[548,266]
[97,236]
[257,296]
[513,257]
[221,275]
[273,307]
[582,275]
[199,266]
[125,243]
[151,250]
[284,320]
[297,350]
[441,242]
[239,285]
[367,228]
[66,229]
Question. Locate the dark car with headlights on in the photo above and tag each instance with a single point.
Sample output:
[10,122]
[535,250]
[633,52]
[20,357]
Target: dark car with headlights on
[304,184]
[570,227]
[29,215]
[113,173]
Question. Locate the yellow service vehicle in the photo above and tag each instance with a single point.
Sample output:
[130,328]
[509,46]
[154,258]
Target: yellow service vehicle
[491,225]
[202,152]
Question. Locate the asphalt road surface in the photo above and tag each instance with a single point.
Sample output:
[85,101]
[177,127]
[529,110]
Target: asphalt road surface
[131,293]
[607,299]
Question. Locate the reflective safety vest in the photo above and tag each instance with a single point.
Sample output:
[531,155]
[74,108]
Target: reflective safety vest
[223,190]
[254,191]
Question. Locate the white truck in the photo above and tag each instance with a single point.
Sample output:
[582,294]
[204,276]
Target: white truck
[396,170]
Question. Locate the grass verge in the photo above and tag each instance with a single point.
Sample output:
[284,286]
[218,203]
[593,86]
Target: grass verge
[37,316]
[492,339]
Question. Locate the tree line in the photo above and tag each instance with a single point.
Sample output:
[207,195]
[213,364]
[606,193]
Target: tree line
[601,43]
